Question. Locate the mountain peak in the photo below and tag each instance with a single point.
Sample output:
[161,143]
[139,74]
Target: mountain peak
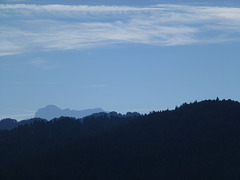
[51,111]
[52,107]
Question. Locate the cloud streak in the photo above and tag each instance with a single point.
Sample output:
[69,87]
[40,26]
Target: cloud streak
[18,116]
[64,27]
[42,64]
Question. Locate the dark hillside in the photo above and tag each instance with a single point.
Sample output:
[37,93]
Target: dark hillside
[200,140]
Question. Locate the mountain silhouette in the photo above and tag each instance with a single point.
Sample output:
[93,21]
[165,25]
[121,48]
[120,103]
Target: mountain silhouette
[8,123]
[199,140]
[50,112]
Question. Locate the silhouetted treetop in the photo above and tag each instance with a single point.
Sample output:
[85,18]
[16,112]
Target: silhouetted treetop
[198,140]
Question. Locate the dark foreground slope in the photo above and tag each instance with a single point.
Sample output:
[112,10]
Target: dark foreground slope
[195,141]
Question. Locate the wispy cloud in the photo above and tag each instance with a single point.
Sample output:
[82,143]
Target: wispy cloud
[41,64]
[18,116]
[63,27]
[7,53]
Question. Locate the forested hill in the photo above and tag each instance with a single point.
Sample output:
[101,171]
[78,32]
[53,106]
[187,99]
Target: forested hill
[200,140]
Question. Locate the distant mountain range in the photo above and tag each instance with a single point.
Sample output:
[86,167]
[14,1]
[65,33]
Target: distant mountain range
[199,140]
[50,112]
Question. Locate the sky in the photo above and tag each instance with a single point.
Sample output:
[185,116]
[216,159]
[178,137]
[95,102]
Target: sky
[116,55]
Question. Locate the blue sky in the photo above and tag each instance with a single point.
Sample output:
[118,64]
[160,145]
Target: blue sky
[124,56]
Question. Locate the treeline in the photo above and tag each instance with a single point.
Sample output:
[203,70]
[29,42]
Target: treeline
[8,123]
[200,140]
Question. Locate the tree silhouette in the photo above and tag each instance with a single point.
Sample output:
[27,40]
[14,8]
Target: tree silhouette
[199,140]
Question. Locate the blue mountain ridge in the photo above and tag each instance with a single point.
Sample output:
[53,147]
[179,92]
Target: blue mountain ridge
[52,112]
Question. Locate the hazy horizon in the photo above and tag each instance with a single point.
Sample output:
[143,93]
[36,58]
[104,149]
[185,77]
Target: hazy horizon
[116,55]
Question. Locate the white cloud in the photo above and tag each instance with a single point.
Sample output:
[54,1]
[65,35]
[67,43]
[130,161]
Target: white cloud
[62,27]
[76,8]
[7,47]
[8,53]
